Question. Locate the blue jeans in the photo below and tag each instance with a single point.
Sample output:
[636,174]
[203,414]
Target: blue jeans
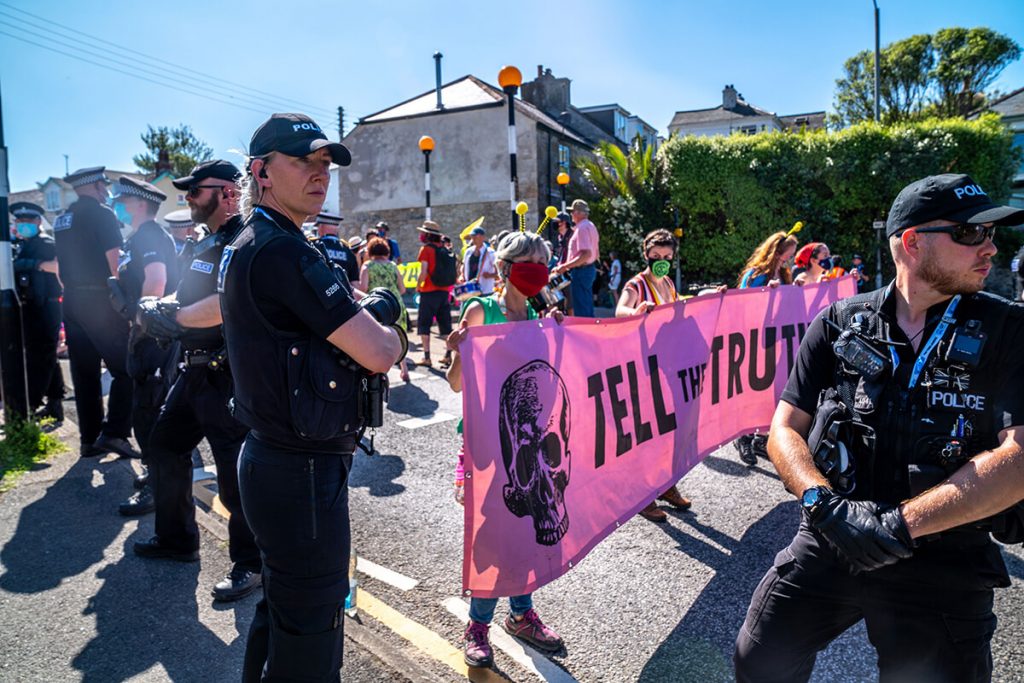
[481,610]
[583,290]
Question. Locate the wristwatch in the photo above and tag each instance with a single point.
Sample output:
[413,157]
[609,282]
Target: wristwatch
[813,498]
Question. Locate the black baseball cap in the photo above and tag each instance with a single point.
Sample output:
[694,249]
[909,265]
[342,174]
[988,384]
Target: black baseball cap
[295,135]
[217,168]
[949,197]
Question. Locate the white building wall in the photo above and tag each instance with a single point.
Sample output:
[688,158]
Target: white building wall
[727,127]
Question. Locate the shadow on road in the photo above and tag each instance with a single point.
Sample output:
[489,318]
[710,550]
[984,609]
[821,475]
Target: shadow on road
[700,647]
[146,614]
[410,400]
[65,532]
[377,473]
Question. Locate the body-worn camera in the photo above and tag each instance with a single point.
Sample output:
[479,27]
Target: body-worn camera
[966,345]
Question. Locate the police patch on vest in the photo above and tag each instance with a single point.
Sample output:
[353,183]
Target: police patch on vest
[202,266]
[321,278]
[225,261]
[63,222]
[955,401]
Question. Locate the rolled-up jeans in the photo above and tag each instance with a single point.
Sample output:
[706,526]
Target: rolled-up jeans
[583,290]
[481,610]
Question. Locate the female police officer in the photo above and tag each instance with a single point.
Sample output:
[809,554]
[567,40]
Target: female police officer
[288,323]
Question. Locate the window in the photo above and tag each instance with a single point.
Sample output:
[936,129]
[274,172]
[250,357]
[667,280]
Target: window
[620,126]
[563,158]
[53,199]
[747,130]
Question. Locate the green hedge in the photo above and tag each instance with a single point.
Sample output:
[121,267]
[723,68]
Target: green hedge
[729,193]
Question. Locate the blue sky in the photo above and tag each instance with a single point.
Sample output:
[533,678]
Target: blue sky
[653,58]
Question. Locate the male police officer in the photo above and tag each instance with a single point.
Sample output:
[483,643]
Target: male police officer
[331,246]
[150,269]
[197,404]
[183,230]
[287,320]
[35,271]
[88,238]
[915,380]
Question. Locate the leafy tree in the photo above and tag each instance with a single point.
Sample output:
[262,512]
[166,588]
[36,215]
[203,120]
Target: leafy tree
[183,149]
[945,74]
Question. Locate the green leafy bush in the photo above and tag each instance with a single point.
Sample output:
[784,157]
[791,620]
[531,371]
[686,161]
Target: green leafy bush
[23,445]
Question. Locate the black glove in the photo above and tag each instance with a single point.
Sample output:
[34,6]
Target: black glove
[156,319]
[854,529]
[118,299]
[892,520]
[383,305]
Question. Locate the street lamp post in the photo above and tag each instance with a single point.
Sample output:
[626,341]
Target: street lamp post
[426,146]
[879,227]
[877,68]
[510,79]
[563,181]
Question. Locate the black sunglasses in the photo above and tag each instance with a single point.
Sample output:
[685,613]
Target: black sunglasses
[965,233]
[193,190]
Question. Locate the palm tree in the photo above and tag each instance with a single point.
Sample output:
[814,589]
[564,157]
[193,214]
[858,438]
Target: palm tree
[615,173]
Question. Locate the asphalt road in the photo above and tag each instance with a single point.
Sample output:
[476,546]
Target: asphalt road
[650,603]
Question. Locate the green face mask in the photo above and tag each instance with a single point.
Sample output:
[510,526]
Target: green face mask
[659,267]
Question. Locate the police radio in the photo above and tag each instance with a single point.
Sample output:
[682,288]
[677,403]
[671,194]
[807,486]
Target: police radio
[858,351]
[966,345]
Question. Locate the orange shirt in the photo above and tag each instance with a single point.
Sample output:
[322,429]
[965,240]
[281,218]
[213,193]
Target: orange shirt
[428,256]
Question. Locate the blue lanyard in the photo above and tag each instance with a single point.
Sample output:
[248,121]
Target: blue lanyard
[933,341]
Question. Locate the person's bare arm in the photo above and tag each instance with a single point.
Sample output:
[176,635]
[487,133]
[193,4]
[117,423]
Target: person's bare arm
[628,305]
[48,266]
[986,485]
[364,278]
[787,448]
[474,316]
[155,279]
[367,342]
[112,257]
[203,313]
[580,259]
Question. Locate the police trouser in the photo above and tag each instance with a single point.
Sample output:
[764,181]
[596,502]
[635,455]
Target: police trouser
[297,505]
[197,407]
[42,334]
[148,365]
[809,597]
[95,332]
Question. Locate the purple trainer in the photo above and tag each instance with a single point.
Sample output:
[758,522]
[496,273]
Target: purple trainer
[477,651]
[531,629]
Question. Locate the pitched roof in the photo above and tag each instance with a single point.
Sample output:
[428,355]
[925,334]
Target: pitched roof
[464,94]
[812,120]
[742,110]
[1010,104]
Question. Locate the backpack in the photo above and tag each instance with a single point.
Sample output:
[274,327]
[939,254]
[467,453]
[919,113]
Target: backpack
[444,272]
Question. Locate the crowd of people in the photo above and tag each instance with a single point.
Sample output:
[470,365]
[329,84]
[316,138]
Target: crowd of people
[273,346]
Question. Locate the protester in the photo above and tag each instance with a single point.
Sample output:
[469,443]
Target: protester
[522,260]
[859,271]
[614,274]
[647,289]
[583,252]
[380,272]
[855,438]
[285,314]
[813,263]
[479,262]
[39,291]
[767,266]
[384,230]
[88,238]
[437,275]
[358,246]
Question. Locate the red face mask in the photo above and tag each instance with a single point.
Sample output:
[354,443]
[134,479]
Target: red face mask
[528,278]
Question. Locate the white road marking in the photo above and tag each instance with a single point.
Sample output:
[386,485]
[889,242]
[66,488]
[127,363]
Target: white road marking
[388,576]
[432,419]
[524,655]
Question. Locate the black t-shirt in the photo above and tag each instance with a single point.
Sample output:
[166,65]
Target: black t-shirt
[340,254]
[84,233]
[293,285]
[199,281]
[30,253]
[150,244]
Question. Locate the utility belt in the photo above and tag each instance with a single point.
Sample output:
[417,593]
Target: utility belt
[200,358]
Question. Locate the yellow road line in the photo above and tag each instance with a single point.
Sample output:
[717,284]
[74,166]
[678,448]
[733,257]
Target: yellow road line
[219,508]
[425,640]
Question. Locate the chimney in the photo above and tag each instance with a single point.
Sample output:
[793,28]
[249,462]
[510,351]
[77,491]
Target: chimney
[437,77]
[540,70]
[729,97]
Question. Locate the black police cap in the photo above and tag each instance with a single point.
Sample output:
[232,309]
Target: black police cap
[129,187]
[85,176]
[950,197]
[26,210]
[218,169]
[295,135]
[328,218]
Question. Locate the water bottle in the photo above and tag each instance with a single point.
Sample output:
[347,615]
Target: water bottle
[350,599]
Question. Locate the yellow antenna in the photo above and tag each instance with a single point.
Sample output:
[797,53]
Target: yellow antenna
[521,209]
[549,213]
[797,227]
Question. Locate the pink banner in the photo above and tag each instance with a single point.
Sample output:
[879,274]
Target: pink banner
[572,429]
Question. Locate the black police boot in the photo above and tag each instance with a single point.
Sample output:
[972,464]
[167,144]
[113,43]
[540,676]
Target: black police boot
[139,503]
[153,549]
[113,444]
[141,480]
[89,450]
[759,446]
[236,585]
[745,446]
[52,409]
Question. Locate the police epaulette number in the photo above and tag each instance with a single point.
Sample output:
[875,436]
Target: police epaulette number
[323,281]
